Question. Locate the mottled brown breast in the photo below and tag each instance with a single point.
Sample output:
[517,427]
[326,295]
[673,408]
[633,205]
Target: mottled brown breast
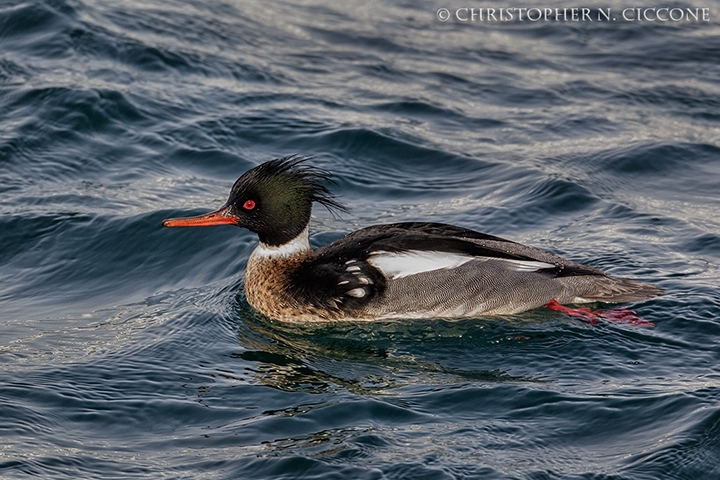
[268,290]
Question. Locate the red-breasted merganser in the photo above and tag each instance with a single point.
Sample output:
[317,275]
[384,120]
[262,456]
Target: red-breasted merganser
[399,270]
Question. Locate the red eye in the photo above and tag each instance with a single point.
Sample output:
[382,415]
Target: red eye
[249,204]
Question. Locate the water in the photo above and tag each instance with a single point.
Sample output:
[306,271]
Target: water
[128,350]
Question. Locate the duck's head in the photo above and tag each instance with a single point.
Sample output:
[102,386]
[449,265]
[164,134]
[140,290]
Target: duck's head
[273,200]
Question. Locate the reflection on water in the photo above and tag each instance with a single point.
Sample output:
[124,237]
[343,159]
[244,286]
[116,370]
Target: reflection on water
[367,357]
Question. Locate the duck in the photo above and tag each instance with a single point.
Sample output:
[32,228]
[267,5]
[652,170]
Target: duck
[408,270]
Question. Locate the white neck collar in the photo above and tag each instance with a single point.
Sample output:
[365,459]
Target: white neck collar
[297,245]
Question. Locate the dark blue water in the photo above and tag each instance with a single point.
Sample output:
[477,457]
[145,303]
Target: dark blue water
[129,351]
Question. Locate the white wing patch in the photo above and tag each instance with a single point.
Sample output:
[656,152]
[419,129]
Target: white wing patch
[403,264]
[527,265]
[399,265]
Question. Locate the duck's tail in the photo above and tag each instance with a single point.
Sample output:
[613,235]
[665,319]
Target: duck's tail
[604,288]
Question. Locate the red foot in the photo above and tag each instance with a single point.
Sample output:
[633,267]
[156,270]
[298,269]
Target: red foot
[618,315]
